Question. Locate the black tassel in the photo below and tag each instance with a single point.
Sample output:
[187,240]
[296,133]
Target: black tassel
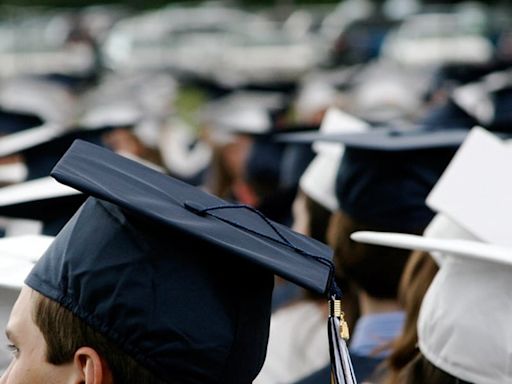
[341,366]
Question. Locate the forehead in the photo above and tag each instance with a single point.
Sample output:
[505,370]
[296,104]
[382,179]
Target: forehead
[21,314]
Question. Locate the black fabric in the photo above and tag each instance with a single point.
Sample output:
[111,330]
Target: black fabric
[387,190]
[11,122]
[364,367]
[391,139]
[105,175]
[166,298]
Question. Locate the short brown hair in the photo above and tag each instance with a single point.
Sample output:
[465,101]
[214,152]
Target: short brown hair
[65,333]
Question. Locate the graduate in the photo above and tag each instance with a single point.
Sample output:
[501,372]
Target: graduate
[155,281]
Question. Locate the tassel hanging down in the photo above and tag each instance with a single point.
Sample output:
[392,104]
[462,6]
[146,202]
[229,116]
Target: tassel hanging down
[341,366]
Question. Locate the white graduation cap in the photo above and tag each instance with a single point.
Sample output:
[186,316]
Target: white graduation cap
[315,96]
[28,138]
[49,101]
[319,179]
[115,114]
[18,255]
[38,189]
[464,323]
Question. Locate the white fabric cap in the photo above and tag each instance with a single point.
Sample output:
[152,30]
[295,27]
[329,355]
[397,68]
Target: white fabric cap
[49,101]
[319,179]
[314,97]
[113,114]
[28,138]
[464,322]
[38,189]
[475,191]
[18,255]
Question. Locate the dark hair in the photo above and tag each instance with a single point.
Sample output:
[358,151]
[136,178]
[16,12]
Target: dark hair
[374,269]
[422,371]
[65,333]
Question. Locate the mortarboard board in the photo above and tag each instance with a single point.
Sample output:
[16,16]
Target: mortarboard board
[32,96]
[43,200]
[159,251]
[474,251]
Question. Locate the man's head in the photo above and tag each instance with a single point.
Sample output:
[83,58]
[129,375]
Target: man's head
[51,345]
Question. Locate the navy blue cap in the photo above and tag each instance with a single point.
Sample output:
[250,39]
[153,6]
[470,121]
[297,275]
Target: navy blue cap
[390,139]
[387,190]
[11,121]
[179,279]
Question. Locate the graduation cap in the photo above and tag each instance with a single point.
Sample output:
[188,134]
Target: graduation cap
[387,189]
[11,122]
[386,173]
[319,179]
[473,248]
[179,279]
[43,200]
[33,98]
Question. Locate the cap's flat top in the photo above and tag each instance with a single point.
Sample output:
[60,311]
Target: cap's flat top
[105,175]
[385,139]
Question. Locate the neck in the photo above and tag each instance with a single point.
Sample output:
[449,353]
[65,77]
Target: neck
[370,305]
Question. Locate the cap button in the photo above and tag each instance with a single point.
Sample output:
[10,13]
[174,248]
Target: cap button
[194,207]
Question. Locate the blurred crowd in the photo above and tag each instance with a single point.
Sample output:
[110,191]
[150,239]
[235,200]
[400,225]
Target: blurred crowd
[328,119]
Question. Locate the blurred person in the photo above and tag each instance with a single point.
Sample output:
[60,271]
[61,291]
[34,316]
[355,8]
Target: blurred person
[472,247]
[382,182]
[297,346]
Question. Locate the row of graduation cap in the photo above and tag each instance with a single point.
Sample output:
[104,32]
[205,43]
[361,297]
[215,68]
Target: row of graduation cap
[482,102]
[413,145]
[472,264]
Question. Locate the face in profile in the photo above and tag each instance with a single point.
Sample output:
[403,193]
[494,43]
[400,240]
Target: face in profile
[28,348]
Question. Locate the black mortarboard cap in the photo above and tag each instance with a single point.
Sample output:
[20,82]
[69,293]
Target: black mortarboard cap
[179,279]
[386,174]
[11,121]
[384,179]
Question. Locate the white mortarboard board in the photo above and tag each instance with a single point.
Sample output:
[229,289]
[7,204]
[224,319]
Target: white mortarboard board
[319,179]
[314,97]
[42,200]
[49,101]
[464,322]
[475,190]
[18,255]
[28,138]
[113,114]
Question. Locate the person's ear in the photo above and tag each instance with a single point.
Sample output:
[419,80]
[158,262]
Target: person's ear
[90,367]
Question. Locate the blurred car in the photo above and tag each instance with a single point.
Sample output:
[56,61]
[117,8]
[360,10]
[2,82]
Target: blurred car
[226,44]
[37,43]
[439,38]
